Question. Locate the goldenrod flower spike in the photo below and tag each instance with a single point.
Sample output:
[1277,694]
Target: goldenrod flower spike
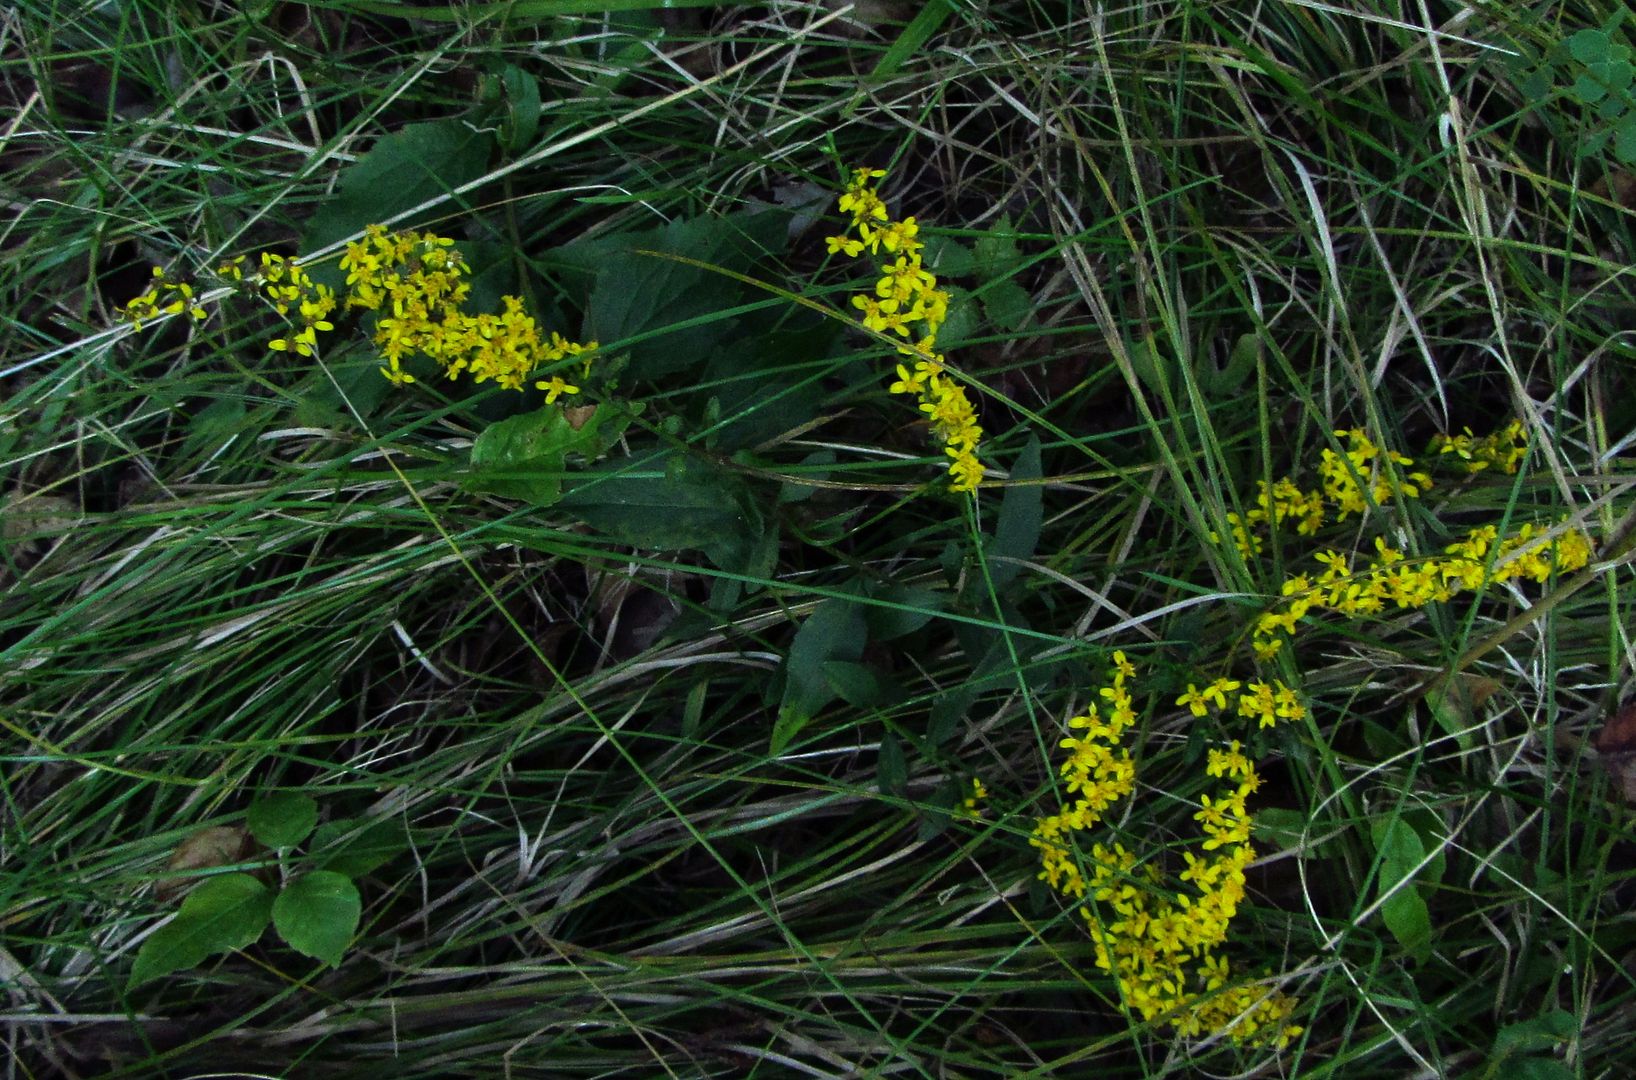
[907,303]
[417,284]
[1160,944]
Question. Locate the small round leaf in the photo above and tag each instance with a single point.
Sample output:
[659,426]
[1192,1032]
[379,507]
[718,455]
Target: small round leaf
[282,819]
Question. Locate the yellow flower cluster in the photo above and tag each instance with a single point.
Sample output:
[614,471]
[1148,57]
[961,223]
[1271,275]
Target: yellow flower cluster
[1349,483]
[286,285]
[1390,579]
[1160,943]
[164,297]
[1265,703]
[1097,773]
[1503,449]
[417,282]
[972,805]
[907,303]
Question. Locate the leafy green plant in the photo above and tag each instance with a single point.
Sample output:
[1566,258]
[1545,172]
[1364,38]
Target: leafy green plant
[1592,68]
[315,909]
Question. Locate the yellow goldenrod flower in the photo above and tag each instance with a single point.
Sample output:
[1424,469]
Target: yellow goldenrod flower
[554,388]
[908,304]
[973,803]
[1196,700]
[1160,945]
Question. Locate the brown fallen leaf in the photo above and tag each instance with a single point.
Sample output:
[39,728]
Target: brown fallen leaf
[219,845]
[1616,743]
[577,415]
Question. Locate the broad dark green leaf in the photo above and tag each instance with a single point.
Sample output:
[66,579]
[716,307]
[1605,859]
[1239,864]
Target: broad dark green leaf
[1624,139]
[762,385]
[1017,533]
[996,251]
[228,911]
[348,383]
[283,819]
[521,119]
[399,172]
[834,631]
[1543,1032]
[1404,910]
[1007,305]
[931,17]
[213,427]
[1538,1068]
[948,257]
[1590,46]
[354,847]
[1224,381]
[671,502]
[854,683]
[317,914]
[911,607]
[524,457]
[892,770]
[639,292]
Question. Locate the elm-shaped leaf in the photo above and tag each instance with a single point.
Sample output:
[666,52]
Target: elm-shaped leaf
[228,911]
[354,847]
[317,914]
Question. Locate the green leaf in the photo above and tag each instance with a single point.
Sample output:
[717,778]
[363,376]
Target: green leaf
[354,847]
[521,119]
[763,386]
[1540,1033]
[675,308]
[937,811]
[524,457]
[1454,714]
[317,914]
[854,683]
[948,257]
[996,251]
[671,502]
[1624,139]
[932,15]
[399,172]
[1589,46]
[283,819]
[791,491]
[1279,827]
[213,427]
[1539,1068]
[1007,305]
[1404,911]
[323,399]
[1224,381]
[834,631]
[1589,89]
[965,316]
[228,911]
[892,769]
[1152,368]
[913,607]
[1017,533]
